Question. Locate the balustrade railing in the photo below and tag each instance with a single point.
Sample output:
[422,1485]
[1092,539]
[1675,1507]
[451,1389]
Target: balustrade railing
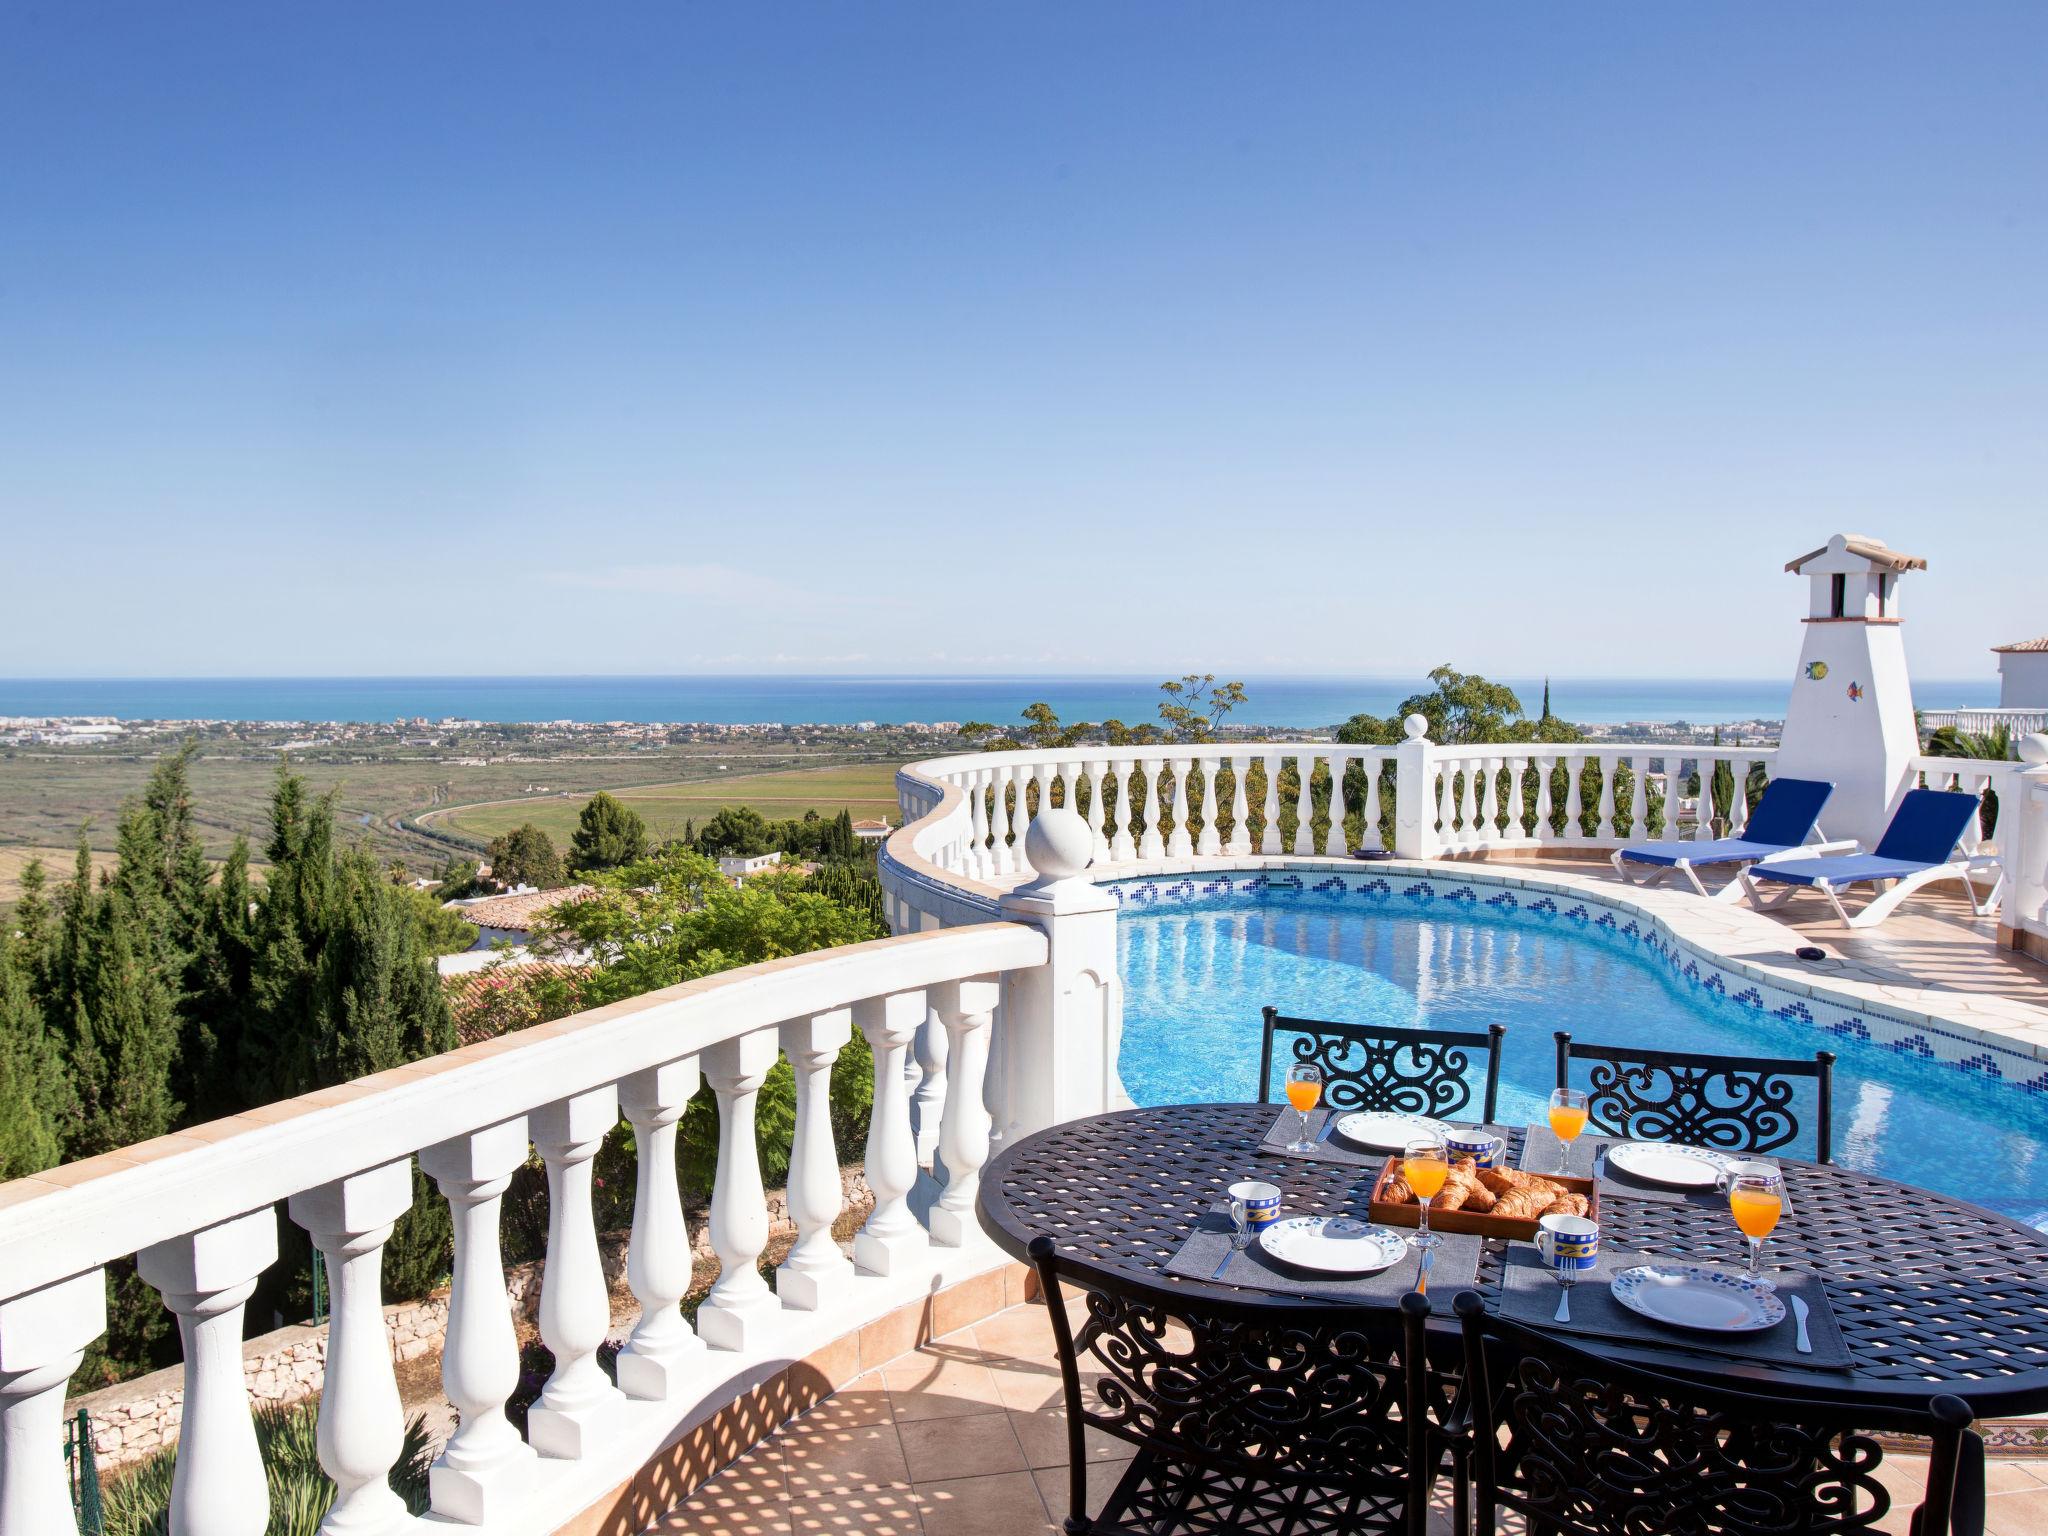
[2019,722]
[1988,781]
[197,1210]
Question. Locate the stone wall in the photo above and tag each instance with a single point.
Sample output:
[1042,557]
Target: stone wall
[133,1420]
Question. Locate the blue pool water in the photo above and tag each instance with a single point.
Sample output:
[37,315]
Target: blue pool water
[1195,977]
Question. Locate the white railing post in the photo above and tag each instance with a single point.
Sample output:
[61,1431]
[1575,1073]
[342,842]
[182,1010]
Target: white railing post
[1210,843]
[815,1265]
[1020,816]
[218,1486]
[1604,826]
[654,1365]
[1240,808]
[1151,841]
[926,1071]
[1122,847]
[43,1335]
[1371,804]
[1336,841]
[1002,858]
[576,1406]
[362,1426]
[740,1305]
[980,861]
[1304,804]
[1181,845]
[1269,834]
[968,1009]
[1415,811]
[485,1469]
[1097,770]
[892,1237]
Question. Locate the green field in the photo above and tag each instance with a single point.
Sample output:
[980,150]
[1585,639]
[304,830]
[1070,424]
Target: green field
[864,790]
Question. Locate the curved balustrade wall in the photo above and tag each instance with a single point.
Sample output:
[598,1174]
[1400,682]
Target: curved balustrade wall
[197,1209]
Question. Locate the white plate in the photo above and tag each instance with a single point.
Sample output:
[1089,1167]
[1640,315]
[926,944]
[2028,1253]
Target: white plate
[1332,1245]
[1387,1133]
[1656,1162]
[1687,1296]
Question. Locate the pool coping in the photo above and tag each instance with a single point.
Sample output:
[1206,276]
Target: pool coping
[1706,944]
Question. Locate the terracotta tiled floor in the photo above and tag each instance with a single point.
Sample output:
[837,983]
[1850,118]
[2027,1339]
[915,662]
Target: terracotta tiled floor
[966,1436]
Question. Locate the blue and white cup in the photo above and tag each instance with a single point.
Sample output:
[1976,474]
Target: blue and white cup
[1484,1150]
[1260,1202]
[1569,1244]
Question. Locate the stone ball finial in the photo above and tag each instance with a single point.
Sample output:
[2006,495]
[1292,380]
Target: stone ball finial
[2034,749]
[1058,844]
[1417,726]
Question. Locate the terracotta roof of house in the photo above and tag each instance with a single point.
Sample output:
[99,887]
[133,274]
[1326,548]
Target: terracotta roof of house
[869,822]
[1876,551]
[519,912]
[468,992]
[2038,643]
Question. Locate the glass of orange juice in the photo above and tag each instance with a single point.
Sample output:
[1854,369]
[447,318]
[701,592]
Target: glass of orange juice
[1755,1199]
[1425,1166]
[1304,1088]
[1567,1119]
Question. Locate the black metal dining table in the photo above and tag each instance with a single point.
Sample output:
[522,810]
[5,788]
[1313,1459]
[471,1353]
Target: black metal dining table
[1932,1294]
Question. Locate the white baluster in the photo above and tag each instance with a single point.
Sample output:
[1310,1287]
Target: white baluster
[1738,803]
[1097,771]
[815,1267]
[485,1470]
[1020,816]
[1674,785]
[362,1427]
[1240,809]
[1610,765]
[892,1237]
[1152,840]
[1122,848]
[1181,845]
[927,1075]
[43,1336]
[1468,800]
[740,1309]
[1003,858]
[577,1406]
[655,1364]
[1489,816]
[1336,841]
[1370,806]
[1269,838]
[1574,797]
[1210,842]
[1546,805]
[1973,829]
[218,1486]
[968,1009]
[981,862]
[1447,803]
[1304,804]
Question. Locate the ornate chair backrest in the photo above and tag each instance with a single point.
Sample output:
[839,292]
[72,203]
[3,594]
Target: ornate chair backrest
[1387,1069]
[1249,1412]
[1729,1103]
[1581,1446]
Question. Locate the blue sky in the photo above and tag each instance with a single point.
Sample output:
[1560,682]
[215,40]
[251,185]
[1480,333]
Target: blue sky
[870,337]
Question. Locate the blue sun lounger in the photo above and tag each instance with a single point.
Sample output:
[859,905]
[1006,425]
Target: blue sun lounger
[1918,848]
[1785,824]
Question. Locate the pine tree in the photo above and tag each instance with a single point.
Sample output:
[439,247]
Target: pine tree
[608,834]
[217,993]
[33,1092]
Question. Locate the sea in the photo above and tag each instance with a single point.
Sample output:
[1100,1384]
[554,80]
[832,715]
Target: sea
[1290,702]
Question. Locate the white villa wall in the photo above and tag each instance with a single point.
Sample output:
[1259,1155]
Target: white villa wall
[2023,680]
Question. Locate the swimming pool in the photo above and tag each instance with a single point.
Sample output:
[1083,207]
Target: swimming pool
[1199,959]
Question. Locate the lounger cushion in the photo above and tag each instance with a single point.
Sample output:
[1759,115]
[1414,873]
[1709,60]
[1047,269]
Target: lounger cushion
[1852,870]
[1725,850]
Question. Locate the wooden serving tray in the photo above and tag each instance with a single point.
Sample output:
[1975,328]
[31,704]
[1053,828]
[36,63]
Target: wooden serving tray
[1388,1213]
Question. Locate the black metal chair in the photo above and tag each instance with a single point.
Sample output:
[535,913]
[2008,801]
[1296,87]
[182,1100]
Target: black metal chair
[1364,1068]
[1729,1103]
[1580,1446]
[1310,1419]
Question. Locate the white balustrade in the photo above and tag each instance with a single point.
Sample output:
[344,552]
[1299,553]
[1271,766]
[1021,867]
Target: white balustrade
[578,1402]
[1304,805]
[1269,839]
[1098,809]
[485,1469]
[891,1240]
[43,1335]
[926,1071]
[1211,841]
[1240,808]
[968,1010]
[981,859]
[1180,845]
[361,1429]
[815,1266]
[1150,844]
[1334,842]
[740,1305]
[1123,848]
[654,1364]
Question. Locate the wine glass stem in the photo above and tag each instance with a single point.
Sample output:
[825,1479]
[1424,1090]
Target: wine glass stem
[1425,1218]
[1304,1124]
[1756,1254]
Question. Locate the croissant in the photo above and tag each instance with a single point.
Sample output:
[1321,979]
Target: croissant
[1522,1204]
[1501,1180]
[1477,1196]
[1567,1204]
[1397,1191]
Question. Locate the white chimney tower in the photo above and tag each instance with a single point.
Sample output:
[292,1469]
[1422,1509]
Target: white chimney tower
[1850,717]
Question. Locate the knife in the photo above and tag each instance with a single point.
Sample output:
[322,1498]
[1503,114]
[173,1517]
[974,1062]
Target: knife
[1802,1343]
[1422,1271]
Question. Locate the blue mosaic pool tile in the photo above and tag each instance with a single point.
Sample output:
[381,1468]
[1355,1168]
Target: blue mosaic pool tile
[1503,901]
[1420,891]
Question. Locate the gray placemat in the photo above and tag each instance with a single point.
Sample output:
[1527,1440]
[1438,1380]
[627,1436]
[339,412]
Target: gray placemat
[1332,1148]
[1528,1294]
[1454,1267]
[1539,1155]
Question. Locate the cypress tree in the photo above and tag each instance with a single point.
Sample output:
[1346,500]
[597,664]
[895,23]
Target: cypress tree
[217,993]
[33,1091]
